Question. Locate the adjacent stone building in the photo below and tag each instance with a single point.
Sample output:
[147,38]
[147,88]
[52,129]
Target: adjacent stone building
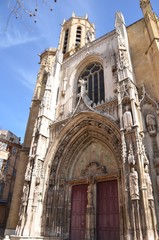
[9,157]
[89,166]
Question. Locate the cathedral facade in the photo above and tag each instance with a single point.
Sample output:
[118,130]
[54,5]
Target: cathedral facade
[90,158]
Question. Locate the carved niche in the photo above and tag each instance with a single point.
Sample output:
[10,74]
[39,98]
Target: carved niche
[127,119]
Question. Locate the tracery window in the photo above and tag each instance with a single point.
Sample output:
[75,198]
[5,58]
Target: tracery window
[65,41]
[78,36]
[94,77]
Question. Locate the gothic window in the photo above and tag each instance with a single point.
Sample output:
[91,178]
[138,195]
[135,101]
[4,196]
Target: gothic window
[65,41]
[94,77]
[78,36]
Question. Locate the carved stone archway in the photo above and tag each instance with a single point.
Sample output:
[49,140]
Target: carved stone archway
[68,169]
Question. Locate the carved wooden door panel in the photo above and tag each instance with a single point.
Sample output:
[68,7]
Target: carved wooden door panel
[107,211]
[78,212]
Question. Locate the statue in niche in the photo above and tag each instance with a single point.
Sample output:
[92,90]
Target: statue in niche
[133,183]
[25,194]
[33,152]
[131,158]
[151,124]
[127,119]
[148,183]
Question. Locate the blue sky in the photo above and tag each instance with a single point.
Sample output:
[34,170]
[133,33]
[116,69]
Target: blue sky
[23,40]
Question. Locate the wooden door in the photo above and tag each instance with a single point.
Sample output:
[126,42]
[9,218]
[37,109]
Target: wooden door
[107,211]
[78,212]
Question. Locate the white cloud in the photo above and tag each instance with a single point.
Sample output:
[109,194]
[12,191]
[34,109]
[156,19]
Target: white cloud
[26,78]
[14,38]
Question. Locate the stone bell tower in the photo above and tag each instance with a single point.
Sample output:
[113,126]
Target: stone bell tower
[76,32]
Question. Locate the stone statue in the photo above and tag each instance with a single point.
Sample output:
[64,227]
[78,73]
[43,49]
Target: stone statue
[133,183]
[131,158]
[25,194]
[148,183]
[83,87]
[151,124]
[127,119]
[34,149]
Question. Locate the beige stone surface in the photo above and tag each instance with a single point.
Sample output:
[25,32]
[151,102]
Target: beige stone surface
[145,55]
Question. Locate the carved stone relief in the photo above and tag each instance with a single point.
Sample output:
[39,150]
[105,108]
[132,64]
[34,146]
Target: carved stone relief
[111,137]
[127,90]
[85,137]
[29,169]
[93,169]
[151,124]
[109,107]
[123,61]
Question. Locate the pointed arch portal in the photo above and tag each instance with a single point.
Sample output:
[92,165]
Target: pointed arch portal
[84,182]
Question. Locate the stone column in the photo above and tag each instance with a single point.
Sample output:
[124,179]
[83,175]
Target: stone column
[90,214]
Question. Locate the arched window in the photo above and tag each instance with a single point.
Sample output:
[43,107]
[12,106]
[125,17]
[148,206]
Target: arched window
[78,36]
[94,77]
[65,41]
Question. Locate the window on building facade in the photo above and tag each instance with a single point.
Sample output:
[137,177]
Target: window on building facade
[78,36]
[94,77]
[65,41]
